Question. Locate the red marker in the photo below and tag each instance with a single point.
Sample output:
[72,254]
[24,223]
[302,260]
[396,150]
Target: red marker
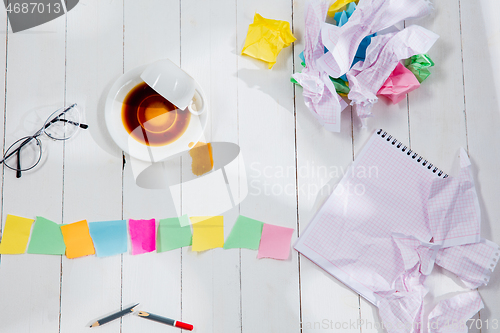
[165,320]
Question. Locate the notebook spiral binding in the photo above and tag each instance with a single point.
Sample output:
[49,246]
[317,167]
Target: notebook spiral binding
[415,156]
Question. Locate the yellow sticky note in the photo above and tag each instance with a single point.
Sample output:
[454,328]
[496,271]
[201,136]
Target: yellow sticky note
[16,234]
[337,5]
[266,38]
[77,239]
[208,232]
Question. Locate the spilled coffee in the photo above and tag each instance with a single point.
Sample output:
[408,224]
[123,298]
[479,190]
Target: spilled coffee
[151,119]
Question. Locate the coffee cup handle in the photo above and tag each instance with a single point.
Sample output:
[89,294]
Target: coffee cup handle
[192,107]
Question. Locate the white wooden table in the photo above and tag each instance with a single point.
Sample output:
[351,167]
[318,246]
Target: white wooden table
[78,57]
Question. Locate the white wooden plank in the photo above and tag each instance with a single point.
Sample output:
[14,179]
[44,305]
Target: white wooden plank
[35,79]
[270,290]
[211,280]
[91,286]
[481,49]
[3,91]
[322,160]
[392,118]
[437,121]
[153,279]
[436,109]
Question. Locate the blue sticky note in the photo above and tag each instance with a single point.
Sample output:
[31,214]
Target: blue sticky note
[109,237]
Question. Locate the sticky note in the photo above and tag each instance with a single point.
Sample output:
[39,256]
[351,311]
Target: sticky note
[109,237]
[266,38]
[171,235]
[275,242]
[46,238]
[16,234]
[77,239]
[142,235]
[208,232]
[245,234]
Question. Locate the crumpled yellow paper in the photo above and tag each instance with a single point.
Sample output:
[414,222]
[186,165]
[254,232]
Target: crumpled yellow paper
[337,5]
[266,38]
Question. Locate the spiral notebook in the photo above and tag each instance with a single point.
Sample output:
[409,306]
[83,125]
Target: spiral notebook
[389,191]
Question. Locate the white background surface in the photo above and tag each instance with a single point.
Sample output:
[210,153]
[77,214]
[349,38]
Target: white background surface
[78,57]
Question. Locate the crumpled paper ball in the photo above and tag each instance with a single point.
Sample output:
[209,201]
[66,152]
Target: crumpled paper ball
[398,84]
[266,38]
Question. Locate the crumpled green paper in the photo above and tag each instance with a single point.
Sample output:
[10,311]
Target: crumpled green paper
[419,65]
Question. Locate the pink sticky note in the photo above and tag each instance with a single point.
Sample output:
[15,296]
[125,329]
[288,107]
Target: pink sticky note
[398,84]
[142,235]
[275,242]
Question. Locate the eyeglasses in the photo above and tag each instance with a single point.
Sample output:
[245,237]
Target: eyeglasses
[26,153]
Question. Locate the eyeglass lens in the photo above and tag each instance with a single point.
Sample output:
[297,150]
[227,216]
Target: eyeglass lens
[62,124]
[25,158]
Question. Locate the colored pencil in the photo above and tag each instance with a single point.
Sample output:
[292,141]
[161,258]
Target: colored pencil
[165,320]
[114,316]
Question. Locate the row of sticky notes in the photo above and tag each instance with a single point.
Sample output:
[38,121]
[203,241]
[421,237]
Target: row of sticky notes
[109,238]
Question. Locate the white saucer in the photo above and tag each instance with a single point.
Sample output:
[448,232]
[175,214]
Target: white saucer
[113,117]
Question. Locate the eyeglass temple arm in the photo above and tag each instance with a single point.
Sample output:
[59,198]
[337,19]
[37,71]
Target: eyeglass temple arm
[83,126]
[18,173]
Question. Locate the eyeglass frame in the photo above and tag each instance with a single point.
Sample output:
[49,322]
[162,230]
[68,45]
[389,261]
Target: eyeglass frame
[28,139]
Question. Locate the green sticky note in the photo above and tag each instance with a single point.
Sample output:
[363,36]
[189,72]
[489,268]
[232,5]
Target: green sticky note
[172,236]
[46,238]
[245,234]
[16,234]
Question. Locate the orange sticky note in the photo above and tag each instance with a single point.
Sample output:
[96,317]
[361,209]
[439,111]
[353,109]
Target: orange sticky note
[16,234]
[77,239]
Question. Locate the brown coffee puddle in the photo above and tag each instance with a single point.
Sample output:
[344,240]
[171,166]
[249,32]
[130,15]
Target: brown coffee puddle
[151,119]
[203,161]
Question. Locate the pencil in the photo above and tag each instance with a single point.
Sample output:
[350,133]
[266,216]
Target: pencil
[165,320]
[114,316]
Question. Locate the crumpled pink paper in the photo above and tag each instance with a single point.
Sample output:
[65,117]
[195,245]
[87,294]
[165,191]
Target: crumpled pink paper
[382,56]
[398,84]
